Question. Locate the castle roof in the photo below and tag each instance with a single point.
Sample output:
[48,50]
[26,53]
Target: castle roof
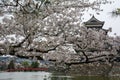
[94,23]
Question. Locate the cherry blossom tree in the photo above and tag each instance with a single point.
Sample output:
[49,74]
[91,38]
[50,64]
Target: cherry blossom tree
[53,26]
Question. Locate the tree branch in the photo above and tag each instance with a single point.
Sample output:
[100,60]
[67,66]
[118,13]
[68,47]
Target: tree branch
[42,51]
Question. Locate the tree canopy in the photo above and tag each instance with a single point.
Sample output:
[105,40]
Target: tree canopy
[46,27]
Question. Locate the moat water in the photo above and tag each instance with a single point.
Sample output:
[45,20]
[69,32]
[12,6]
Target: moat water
[48,76]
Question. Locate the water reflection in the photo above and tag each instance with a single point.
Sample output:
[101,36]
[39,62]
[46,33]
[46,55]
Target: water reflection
[86,78]
[48,76]
[59,77]
[94,78]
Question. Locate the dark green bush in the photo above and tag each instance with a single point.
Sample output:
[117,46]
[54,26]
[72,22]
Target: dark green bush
[11,65]
[26,64]
[35,64]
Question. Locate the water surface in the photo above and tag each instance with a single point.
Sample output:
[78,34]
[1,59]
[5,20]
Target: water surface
[48,76]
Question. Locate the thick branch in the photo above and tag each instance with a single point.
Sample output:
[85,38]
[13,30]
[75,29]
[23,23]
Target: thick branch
[42,51]
[19,45]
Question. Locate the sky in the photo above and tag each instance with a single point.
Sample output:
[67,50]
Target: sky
[105,15]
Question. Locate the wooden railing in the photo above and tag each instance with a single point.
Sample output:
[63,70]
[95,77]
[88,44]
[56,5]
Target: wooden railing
[27,69]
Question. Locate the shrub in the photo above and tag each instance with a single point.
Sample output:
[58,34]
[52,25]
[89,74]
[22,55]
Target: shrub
[11,65]
[35,64]
[26,64]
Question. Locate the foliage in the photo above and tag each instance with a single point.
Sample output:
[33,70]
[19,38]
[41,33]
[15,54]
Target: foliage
[54,28]
[3,66]
[116,12]
[26,64]
[118,9]
[11,65]
[35,64]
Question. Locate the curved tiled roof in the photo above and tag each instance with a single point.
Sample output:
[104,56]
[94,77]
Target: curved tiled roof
[94,23]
